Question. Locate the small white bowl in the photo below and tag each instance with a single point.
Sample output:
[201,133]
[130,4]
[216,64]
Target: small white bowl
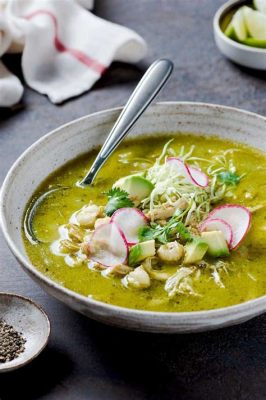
[247,56]
[31,321]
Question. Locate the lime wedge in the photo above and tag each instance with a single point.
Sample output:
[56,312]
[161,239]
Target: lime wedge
[239,25]
[260,5]
[255,22]
[255,42]
[230,32]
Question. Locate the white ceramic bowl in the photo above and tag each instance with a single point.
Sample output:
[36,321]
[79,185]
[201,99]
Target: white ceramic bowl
[67,142]
[247,56]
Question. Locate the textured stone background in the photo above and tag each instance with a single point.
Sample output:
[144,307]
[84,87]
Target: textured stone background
[84,359]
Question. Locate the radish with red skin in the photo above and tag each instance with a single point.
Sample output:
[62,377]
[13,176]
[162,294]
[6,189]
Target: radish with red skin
[238,217]
[130,220]
[218,224]
[108,245]
[198,177]
[194,175]
[179,163]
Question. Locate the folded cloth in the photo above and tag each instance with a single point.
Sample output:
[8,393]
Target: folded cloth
[65,48]
[10,87]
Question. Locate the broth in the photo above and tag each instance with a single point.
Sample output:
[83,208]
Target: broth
[245,278]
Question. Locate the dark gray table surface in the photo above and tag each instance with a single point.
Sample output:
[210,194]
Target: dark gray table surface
[87,360]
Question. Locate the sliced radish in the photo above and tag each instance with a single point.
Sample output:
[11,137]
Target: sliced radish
[218,224]
[130,220]
[179,165]
[198,177]
[108,245]
[194,175]
[238,217]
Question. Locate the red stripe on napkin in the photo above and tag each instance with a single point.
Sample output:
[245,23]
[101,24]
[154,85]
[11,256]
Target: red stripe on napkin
[79,55]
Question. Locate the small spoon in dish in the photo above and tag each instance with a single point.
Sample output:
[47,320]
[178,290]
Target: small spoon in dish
[149,86]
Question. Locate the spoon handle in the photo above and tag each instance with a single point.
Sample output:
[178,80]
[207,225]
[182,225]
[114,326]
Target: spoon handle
[149,86]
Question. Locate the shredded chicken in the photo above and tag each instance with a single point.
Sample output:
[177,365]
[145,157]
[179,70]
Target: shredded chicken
[153,273]
[182,204]
[216,277]
[216,270]
[162,213]
[180,283]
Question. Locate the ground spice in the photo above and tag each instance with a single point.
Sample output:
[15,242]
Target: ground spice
[12,342]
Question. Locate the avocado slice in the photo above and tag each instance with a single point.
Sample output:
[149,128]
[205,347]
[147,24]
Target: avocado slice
[136,186]
[195,251]
[217,244]
[141,251]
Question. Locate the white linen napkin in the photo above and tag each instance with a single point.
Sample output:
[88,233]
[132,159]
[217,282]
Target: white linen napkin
[65,48]
[10,87]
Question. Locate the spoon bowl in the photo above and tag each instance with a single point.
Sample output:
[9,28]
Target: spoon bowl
[31,321]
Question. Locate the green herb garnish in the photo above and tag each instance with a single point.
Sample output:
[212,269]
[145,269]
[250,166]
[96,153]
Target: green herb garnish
[183,232]
[118,198]
[229,178]
[147,233]
[165,234]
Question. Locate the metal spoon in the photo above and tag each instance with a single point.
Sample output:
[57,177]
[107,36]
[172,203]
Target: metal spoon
[149,86]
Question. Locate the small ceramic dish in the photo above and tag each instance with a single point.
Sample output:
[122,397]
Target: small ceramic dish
[31,321]
[247,56]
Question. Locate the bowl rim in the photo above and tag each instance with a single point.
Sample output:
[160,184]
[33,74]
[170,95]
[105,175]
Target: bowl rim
[225,8]
[81,299]
[7,367]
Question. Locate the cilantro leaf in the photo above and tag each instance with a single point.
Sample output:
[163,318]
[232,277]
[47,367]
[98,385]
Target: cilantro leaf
[118,198]
[174,228]
[183,232]
[166,233]
[229,178]
[146,233]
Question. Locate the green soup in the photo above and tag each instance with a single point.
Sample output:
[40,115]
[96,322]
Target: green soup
[245,277]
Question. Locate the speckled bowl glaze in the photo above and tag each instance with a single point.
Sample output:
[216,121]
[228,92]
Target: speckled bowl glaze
[74,138]
[247,56]
[28,319]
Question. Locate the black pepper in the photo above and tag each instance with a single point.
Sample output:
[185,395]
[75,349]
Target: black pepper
[12,342]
